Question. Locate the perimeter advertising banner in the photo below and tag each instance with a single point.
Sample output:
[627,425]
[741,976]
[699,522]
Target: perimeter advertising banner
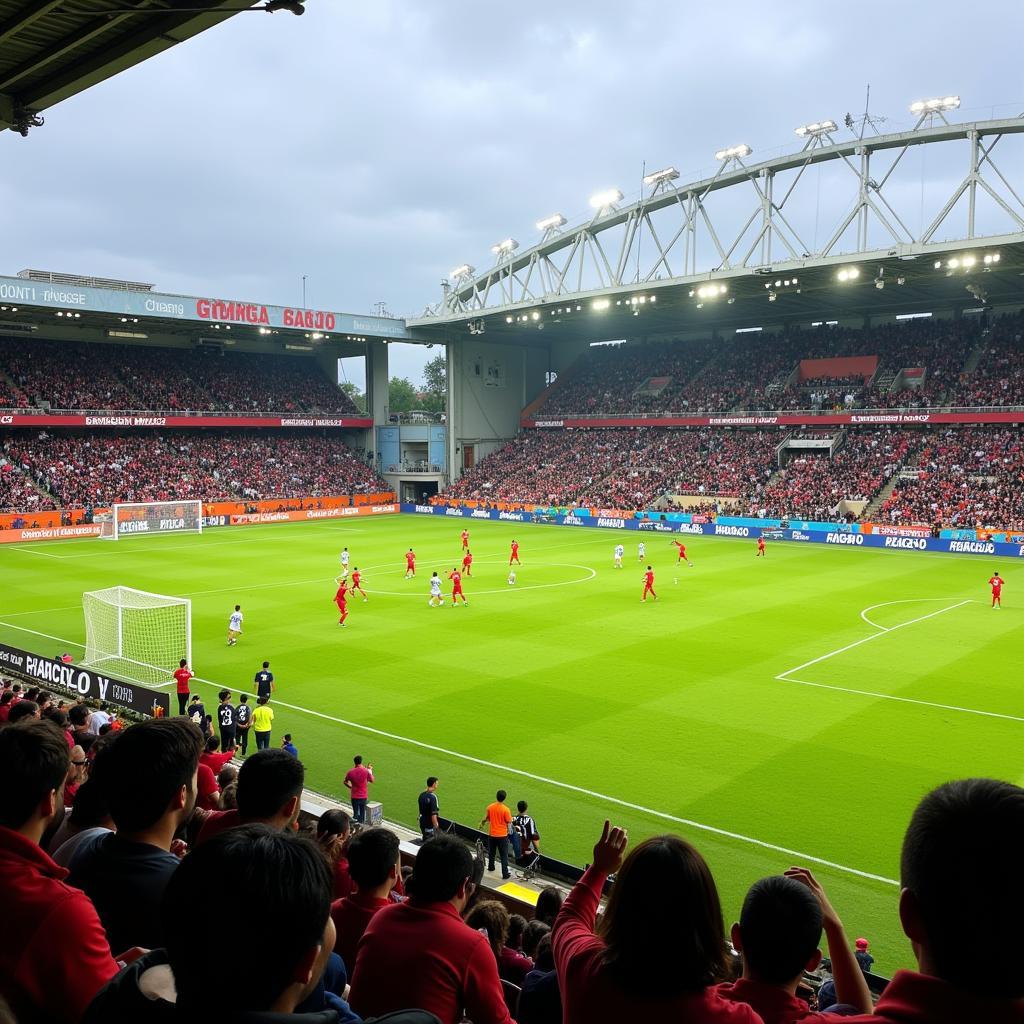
[843,537]
[132,422]
[844,419]
[75,681]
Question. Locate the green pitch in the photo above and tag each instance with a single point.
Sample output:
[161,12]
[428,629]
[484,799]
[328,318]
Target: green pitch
[568,692]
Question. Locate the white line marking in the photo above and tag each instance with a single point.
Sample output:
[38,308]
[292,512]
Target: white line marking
[501,590]
[34,551]
[603,797]
[868,639]
[885,604]
[903,700]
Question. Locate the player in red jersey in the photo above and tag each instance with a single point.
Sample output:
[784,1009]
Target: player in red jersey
[182,675]
[514,557]
[996,583]
[649,585]
[467,562]
[456,577]
[682,553]
[410,564]
[339,600]
[760,547]
[357,577]
[465,540]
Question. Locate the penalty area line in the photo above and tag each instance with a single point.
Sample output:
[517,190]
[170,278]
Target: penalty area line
[867,639]
[796,855]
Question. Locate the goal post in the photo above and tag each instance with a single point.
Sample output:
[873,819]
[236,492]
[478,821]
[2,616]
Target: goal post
[148,518]
[136,635]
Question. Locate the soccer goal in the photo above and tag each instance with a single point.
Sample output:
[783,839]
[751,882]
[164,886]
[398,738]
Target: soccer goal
[147,518]
[136,635]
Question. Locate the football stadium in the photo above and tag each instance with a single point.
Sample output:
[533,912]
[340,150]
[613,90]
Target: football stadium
[696,531]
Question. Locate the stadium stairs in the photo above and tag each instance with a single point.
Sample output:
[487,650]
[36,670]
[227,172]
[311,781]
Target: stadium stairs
[559,382]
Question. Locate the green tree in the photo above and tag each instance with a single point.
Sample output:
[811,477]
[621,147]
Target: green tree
[435,384]
[401,395]
[355,394]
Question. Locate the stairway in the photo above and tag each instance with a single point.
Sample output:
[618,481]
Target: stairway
[873,506]
[7,384]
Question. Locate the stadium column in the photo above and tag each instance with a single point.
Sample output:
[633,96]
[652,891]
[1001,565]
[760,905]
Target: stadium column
[453,355]
[377,387]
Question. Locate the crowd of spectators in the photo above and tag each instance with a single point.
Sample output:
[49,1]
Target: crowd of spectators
[80,470]
[125,901]
[761,372]
[78,375]
[967,478]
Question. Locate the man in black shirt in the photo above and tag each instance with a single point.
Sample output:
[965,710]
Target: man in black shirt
[429,809]
[198,716]
[264,682]
[226,720]
[243,722]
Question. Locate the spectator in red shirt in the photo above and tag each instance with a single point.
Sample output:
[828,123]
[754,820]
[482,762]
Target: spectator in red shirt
[207,788]
[148,775]
[269,793]
[491,917]
[357,781]
[54,955]
[421,953]
[213,757]
[333,829]
[375,868]
[961,904]
[182,675]
[6,703]
[661,940]
[777,935]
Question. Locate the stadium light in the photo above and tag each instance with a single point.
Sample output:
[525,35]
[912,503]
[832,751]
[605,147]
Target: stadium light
[661,177]
[605,200]
[556,220]
[848,274]
[711,291]
[734,152]
[463,270]
[505,247]
[935,105]
[600,304]
[817,128]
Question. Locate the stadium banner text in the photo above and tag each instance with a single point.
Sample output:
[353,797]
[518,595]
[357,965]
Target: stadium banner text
[75,682]
[842,536]
[133,422]
[842,419]
[198,309]
[303,516]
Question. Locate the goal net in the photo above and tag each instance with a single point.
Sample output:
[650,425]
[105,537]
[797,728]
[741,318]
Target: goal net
[136,635]
[147,518]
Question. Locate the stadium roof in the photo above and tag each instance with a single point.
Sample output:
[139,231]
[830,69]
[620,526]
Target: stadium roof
[53,49]
[942,280]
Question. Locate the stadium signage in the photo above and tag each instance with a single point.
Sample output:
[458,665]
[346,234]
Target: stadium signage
[805,419]
[743,421]
[909,543]
[899,531]
[200,309]
[126,420]
[512,517]
[424,509]
[732,531]
[574,521]
[846,538]
[612,524]
[79,682]
[549,423]
[480,513]
[798,535]
[455,512]
[974,547]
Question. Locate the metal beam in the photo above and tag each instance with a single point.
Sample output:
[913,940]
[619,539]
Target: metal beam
[25,17]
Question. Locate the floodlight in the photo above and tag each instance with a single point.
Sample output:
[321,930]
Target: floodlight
[660,177]
[464,270]
[848,274]
[535,315]
[556,220]
[817,128]
[734,152]
[602,200]
[508,319]
[600,304]
[935,104]
[505,247]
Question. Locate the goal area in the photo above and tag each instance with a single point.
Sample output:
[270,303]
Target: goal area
[136,635]
[148,518]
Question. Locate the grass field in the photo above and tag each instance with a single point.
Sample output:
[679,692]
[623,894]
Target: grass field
[789,709]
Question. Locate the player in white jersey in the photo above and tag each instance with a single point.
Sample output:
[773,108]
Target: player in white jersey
[235,626]
[344,562]
[619,552]
[511,577]
[436,597]
[641,550]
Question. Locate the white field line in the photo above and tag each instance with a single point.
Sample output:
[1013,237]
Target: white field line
[35,551]
[868,639]
[886,604]
[902,700]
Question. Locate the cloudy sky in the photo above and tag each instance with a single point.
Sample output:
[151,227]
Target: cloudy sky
[374,146]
